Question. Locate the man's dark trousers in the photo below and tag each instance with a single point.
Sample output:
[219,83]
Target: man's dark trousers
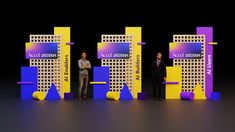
[158,88]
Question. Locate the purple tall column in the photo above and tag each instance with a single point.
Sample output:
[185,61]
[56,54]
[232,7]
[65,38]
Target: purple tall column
[208,32]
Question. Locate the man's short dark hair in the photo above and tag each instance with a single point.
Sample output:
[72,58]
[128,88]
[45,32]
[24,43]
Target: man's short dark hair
[159,52]
[83,52]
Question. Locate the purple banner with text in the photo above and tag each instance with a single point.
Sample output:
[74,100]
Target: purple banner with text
[113,50]
[185,50]
[41,50]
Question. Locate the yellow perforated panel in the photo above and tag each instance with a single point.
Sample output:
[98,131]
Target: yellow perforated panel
[48,69]
[121,70]
[192,69]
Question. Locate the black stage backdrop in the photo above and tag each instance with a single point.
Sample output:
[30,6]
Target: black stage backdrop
[88,20]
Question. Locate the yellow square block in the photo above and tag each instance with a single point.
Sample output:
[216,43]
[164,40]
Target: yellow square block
[174,74]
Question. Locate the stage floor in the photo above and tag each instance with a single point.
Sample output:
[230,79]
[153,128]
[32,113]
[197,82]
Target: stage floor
[119,116]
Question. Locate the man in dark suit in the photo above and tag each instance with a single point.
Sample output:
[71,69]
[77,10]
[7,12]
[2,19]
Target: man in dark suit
[159,76]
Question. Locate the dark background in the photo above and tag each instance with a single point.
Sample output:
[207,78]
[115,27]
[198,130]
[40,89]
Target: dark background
[88,20]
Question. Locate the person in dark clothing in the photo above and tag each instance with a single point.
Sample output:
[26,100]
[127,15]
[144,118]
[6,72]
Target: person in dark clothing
[159,76]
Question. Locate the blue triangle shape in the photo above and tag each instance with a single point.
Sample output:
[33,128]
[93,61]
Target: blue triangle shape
[53,93]
[125,93]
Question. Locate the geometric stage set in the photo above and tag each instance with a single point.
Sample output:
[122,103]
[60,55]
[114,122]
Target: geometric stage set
[120,75]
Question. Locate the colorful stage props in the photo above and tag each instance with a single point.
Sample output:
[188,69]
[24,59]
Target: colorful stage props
[194,54]
[50,54]
[123,55]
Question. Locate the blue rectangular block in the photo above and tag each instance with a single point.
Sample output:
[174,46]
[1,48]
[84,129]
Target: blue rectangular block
[142,96]
[29,74]
[68,96]
[215,96]
[100,74]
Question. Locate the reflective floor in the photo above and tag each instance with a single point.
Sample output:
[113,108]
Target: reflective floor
[118,116]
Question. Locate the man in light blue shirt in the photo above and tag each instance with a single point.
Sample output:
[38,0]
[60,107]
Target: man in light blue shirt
[84,65]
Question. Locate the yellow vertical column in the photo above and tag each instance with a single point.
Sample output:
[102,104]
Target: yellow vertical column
[65,58]
[137,59]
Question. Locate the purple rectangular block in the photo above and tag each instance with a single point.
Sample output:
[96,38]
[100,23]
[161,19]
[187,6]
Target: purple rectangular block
[170,82]
[68,96]
[25,83]
[208,32]
[141,43]
[70,43]
[187,95]
[142,96]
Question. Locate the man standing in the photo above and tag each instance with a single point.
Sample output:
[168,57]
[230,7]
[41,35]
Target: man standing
[159,76]
[84,65]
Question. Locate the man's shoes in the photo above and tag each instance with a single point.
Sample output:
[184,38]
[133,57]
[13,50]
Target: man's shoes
[161,99]
[85,98]
[154,97]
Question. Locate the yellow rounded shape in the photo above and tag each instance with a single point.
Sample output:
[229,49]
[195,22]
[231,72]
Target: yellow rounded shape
[113,95]
[39,95]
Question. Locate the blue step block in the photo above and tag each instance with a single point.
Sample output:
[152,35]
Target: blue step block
[100,74]
[215,96]
[28,74]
